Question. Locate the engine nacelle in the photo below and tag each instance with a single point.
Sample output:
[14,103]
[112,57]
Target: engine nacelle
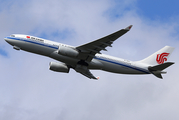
[68,51]
[59,67]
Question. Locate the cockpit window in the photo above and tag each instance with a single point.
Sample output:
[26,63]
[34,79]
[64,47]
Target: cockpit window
[12,35]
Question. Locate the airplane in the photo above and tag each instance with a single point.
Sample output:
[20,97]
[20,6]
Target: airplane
[88,56]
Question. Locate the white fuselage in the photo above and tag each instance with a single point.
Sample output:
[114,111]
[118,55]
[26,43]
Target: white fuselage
[100,61]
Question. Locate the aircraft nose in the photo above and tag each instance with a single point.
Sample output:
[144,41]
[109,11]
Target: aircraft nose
[6,39]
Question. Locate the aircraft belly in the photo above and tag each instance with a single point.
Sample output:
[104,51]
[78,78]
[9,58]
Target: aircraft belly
[17,43]
[95,64]
[38,49]
[31,47]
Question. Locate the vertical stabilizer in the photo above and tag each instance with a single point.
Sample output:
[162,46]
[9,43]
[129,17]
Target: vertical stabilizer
[159,57]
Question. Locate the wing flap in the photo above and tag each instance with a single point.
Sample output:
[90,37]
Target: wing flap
[84,71]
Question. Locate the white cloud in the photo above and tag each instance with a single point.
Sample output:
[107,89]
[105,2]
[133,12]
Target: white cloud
[29,90]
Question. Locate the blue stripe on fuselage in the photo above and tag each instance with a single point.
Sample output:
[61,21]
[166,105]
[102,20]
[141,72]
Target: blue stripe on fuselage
[34,42]
[135,68]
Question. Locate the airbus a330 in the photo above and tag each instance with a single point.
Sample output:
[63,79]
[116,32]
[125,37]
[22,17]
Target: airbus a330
[88,56]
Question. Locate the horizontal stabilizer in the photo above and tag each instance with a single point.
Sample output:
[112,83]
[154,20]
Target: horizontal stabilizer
[161,66]
[157,70]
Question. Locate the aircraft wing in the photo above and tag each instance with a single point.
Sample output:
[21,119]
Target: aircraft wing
[85,71]
[88,74]
[88,51]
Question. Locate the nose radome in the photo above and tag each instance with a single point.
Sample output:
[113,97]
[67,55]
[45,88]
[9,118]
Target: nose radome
[6,39]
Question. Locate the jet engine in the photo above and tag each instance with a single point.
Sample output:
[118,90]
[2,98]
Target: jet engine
[59,67]
[68,51]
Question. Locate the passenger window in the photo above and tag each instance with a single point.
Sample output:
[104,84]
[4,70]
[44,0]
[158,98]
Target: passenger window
[12,35]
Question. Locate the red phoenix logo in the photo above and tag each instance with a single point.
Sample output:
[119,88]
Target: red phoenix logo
[28,36]
[161,58]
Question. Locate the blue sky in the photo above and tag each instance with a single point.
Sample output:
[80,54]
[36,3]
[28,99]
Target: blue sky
[3,52]
[29,90]
[151,9]
[163,10]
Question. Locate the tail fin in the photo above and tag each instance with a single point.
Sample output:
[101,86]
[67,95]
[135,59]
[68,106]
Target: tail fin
[157,70]
[159,57]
